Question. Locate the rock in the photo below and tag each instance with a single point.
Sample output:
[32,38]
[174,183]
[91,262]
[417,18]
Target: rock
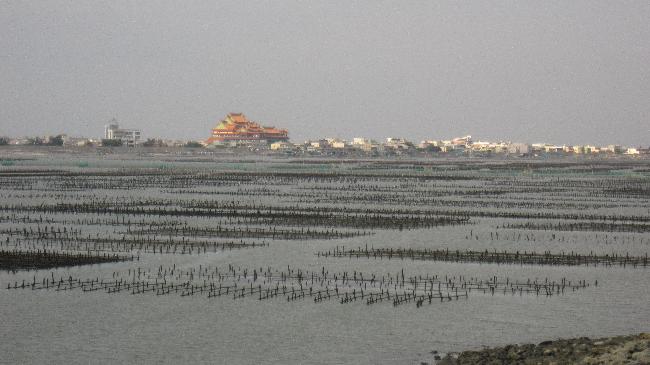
[613,350]
[549,352]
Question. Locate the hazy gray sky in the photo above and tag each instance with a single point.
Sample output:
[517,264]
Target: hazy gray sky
[557,71]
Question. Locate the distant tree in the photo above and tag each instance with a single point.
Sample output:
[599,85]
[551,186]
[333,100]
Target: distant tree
[4,141]
[56,141]
[193,144]
[111,142]
[36,141]
[150,142]
[432,148]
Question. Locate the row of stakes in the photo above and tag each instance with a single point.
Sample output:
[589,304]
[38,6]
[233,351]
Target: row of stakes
[267,215]
[554,197]
[295,284]
[490,257]
[465,201]
[297,214]
[57,226]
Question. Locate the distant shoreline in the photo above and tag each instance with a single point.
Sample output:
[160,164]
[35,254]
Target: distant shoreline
[201,154]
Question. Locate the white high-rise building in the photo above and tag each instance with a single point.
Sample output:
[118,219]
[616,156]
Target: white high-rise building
[129,137]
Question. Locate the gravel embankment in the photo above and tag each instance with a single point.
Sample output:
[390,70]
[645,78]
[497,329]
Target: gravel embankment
[633,349]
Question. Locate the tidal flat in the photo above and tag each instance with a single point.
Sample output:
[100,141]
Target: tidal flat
[142,258]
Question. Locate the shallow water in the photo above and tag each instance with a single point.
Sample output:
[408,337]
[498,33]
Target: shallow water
[46,326]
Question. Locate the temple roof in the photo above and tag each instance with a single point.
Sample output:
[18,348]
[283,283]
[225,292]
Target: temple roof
[237,126]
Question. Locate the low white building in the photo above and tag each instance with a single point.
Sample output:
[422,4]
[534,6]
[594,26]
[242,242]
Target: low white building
[281,146]
[518,148]
[338,144]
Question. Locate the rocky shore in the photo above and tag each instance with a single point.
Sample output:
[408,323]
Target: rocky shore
[633,349]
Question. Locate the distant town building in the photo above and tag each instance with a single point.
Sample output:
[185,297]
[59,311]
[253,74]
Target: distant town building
[465,141]
[236,128]
[613,149]
[480,146]
[321,143]
[281,146]
[518,148]
[548,148]
[393,142]
[337,143]
[360,141]
[430,142]
[77,141]
[365,145]
[129,137]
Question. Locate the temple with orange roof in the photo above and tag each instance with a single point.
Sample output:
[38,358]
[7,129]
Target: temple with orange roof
[237,128]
